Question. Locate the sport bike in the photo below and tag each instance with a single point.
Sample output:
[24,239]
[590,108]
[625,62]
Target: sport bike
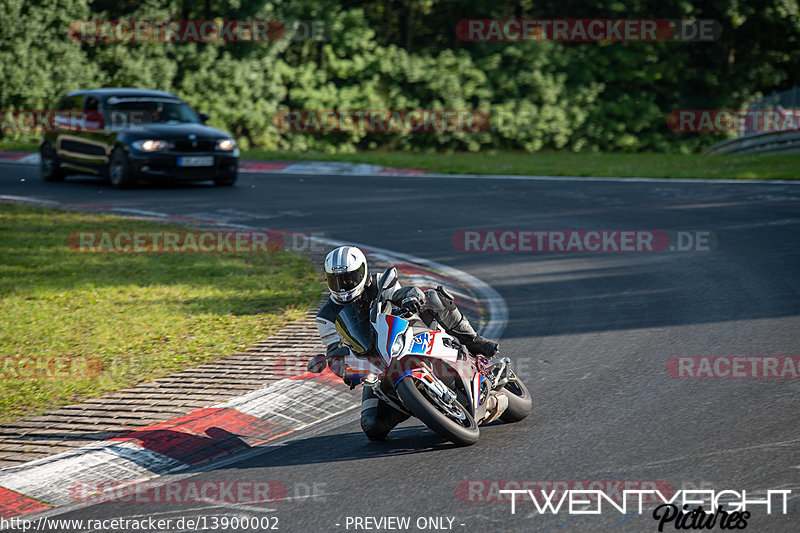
[424,372]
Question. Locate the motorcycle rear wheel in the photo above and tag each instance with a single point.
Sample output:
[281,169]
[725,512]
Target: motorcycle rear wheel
[463,432]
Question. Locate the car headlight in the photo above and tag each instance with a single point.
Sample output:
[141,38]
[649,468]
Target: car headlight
[398,344]
[151,145]
[226,145]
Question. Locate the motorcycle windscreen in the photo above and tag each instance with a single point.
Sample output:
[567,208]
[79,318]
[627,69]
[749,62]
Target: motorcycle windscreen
[354,327]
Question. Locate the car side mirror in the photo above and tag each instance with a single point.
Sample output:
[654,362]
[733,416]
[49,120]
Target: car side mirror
[204,117]
[388,279]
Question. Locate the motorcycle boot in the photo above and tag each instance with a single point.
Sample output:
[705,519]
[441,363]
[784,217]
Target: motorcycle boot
[377,417]
[440,304]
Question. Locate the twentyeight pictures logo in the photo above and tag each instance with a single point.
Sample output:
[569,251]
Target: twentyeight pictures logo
[682,509]
[690,507]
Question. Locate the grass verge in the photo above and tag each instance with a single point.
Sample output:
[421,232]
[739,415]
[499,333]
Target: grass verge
[77,325]
[22,146]
[645,165]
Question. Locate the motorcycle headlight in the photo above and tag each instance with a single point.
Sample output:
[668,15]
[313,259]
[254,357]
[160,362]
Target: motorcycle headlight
[397,345]
[152,145]
[226,145]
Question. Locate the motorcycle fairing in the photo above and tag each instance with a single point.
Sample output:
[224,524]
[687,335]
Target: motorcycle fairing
[353,325]
[357,368]
[459,371]
[388,328]
[423,343]
[478,383]
[424,355]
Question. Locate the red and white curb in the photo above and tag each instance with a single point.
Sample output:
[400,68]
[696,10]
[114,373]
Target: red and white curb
[25,158]
[169,447]
[325,167]
[277,167]
[213,432]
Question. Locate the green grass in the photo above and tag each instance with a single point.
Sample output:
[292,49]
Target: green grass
[570,164]
[21,146]
[123,316]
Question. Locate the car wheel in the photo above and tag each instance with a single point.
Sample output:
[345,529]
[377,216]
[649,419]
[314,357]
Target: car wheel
[51,170]
[119,170]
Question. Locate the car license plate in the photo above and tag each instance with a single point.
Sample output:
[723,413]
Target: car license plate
[196,161]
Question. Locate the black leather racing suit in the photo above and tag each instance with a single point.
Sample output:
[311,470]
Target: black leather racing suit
[377,417]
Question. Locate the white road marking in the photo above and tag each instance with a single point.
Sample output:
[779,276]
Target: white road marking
[26,199]
[783,222]
[32,159]
[292,170]
[138,211]
[239,214]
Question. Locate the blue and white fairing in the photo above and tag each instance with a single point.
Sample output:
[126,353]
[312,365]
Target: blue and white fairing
[393,333]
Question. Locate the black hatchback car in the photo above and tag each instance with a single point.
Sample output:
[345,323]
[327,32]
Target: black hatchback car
[128,135]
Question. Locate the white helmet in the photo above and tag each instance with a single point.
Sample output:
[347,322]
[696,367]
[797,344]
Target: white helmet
[346,273]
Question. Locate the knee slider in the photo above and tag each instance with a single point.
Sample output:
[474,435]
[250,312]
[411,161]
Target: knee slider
[371,423]
[433,302]
[439,299]
[446,298]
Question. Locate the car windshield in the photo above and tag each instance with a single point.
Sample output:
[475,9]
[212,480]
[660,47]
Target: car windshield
[142,111]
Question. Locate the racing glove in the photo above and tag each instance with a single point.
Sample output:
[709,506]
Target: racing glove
[413,302]
[333,359]
[317,363]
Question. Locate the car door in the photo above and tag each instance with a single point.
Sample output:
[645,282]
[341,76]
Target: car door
[97,139]
[80,143]
[66,140]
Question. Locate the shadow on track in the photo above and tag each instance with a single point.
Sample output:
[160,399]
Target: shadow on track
[349,446]
[94,181]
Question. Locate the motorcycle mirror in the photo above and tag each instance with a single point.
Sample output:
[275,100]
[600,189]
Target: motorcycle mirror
[388,278]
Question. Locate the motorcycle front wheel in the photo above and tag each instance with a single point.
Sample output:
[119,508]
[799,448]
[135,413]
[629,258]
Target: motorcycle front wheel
[519,400]
[453,422]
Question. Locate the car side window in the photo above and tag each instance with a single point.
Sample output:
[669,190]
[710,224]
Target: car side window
[65,106]
[71,103]
[91,104]
[91,110]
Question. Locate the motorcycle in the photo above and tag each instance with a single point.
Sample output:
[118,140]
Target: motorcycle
[422,371]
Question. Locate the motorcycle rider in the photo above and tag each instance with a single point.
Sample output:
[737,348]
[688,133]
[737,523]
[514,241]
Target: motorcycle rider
[348,280]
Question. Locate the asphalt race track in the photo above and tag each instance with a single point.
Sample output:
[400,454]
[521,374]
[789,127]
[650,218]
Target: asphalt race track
[590,333]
